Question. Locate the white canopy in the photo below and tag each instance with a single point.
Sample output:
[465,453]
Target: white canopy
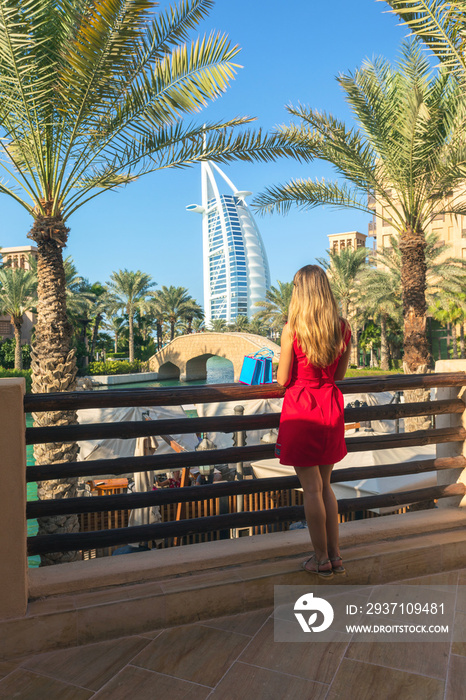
[367,487]
[227,408]
[115,447]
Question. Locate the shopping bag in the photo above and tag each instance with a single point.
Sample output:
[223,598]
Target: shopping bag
[257,368]
[251,370]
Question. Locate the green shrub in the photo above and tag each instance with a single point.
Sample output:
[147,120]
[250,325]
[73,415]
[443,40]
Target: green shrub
[114,367]
[26,373]
[7,354]
[117,355]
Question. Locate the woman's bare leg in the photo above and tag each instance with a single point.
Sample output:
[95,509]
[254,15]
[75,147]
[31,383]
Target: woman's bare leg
[315,510]
[331,510]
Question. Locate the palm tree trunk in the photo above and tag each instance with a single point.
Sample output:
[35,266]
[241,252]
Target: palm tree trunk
[172,328]
[159,335]
[18,355]
[95,331]
[384,354]
[413,284]
[462,340]
[454,337]
[53,369]
[416,358]
[131,337]
[116,342]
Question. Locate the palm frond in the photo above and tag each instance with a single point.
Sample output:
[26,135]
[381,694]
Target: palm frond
[308,194]
[439,24]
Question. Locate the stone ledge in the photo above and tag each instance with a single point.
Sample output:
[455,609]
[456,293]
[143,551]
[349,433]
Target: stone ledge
[89,616]
[78,577]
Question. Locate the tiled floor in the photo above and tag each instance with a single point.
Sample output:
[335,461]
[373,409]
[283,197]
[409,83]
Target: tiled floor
[234,657]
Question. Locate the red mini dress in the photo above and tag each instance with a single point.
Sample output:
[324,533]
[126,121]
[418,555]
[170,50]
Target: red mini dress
[312,426]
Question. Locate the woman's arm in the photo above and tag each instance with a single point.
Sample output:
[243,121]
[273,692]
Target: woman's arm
[344,359]
[286,358]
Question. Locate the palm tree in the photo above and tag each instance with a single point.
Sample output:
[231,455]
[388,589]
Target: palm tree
[451,310]
[218,325]
[103,304]
[198,325]
[240,324]
[95,95]
[130,290]
[274,309]
[193,311]
[344,269]
[380,296]
[18,289]
[155,306]
[116,325]
[408,152]
[257,327]
[175,304]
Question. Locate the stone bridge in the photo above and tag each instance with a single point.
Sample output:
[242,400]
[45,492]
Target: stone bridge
[185,357]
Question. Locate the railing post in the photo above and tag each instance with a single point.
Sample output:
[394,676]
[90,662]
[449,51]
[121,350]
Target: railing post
[451,449]
[13,527]
[239,442]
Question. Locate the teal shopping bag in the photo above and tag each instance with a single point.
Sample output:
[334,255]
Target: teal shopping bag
[257,368]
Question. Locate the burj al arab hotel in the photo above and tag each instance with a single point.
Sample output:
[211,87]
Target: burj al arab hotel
[236,270]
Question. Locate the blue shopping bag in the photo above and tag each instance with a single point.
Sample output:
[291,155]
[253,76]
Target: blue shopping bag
[257,368]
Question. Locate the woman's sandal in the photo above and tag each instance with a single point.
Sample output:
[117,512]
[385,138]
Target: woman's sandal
[337,569]
[322,574]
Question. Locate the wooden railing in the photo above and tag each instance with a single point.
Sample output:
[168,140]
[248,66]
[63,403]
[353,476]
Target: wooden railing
[228,424]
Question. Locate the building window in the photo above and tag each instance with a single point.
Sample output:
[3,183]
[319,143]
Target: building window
[5,328]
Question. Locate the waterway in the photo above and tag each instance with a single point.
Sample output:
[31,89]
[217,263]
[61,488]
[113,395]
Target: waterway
[219,371]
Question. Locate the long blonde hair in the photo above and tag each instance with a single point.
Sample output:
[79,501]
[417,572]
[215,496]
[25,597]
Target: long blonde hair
[313,317]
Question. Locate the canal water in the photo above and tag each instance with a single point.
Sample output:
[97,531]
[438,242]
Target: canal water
[219,371]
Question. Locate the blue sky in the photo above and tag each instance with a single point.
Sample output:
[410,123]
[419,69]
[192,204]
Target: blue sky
[291,52]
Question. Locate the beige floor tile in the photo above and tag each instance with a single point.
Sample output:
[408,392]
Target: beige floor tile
[456,678]
[88,666]
[263,684]
[461,599]
[194,653]
[152,634]
[315,661]
[425,658]
[242,623]
[25,685]
[368,682]
[140,684]
[7,667]
[459,635]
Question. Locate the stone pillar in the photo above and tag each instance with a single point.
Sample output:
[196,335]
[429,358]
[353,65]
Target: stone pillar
[451,449]
[13,528]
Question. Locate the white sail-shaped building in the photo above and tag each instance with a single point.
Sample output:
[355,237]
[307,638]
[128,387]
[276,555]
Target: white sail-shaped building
[236,270]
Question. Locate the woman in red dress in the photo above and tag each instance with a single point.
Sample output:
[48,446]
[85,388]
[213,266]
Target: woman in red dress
[315,348]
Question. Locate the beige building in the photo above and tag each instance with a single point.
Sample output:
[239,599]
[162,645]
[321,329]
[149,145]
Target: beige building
[348,239]
[18,256]
[450,229]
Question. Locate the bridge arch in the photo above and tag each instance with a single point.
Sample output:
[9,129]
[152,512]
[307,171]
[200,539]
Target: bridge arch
[189,353]
[168,371]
